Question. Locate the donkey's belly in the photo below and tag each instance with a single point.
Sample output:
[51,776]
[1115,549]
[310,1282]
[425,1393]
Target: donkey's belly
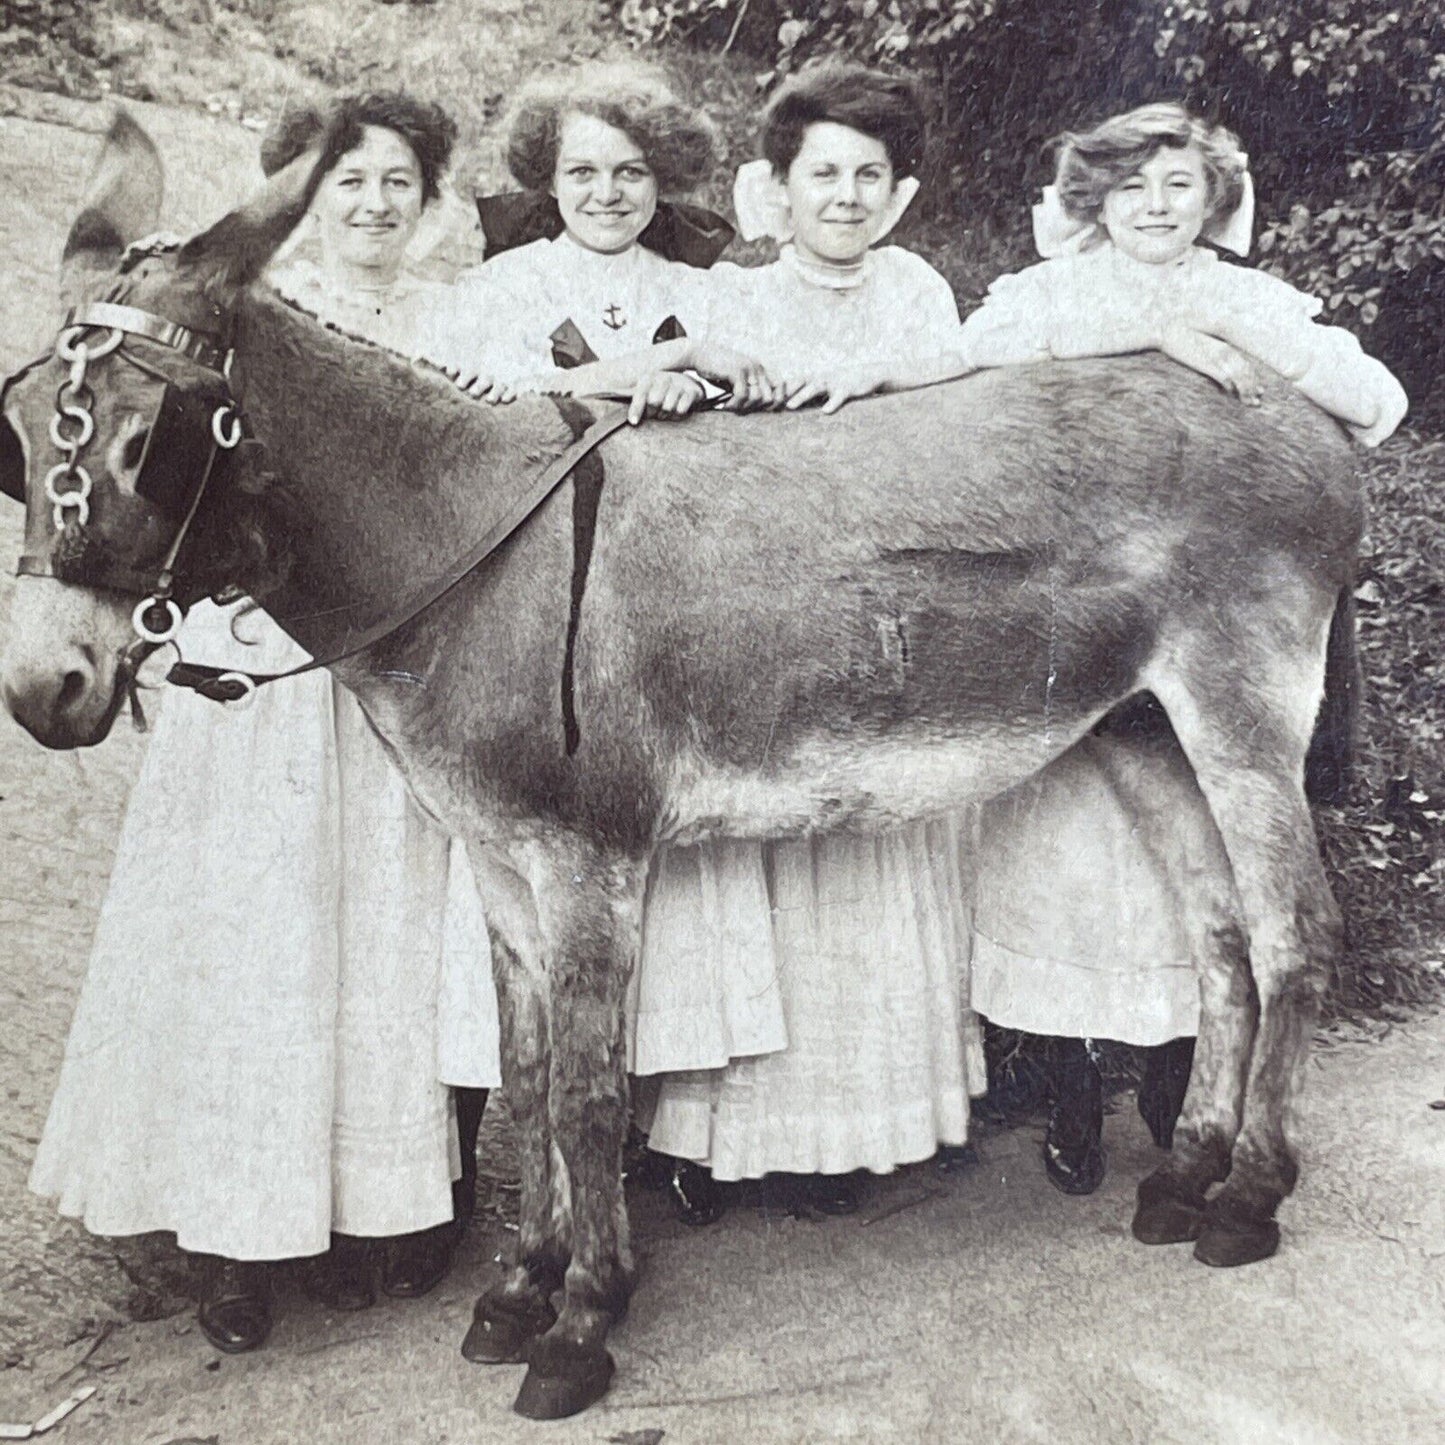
[864,783]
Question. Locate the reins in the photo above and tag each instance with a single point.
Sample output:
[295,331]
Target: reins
[231,685]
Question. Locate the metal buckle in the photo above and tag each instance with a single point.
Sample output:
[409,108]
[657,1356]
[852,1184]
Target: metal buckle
[155,634]
[247,695]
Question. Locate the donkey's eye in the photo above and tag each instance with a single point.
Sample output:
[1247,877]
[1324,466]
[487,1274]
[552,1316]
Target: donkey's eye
[127,450]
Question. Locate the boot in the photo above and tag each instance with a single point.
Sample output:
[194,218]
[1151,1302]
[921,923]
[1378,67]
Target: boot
[1073,1146]
[697,1198]
[415,1264]
[1162,1089]
[235,1309]
[344,1278]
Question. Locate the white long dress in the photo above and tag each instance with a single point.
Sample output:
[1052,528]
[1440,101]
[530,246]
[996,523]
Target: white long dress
[256,1054]
[871,932]
[706,986]
[1078,917]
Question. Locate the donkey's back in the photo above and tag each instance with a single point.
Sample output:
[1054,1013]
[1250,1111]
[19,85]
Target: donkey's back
[990,562]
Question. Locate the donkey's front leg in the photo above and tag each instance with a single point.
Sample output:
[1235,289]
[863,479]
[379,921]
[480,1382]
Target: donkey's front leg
[591,919]
[516,1309]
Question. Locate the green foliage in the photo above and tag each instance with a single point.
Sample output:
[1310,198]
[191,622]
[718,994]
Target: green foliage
[1338,102]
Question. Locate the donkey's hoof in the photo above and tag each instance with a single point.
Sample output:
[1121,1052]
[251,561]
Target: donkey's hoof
[1226,1246]
[563,1379]
[1166,1219]
[503,1332]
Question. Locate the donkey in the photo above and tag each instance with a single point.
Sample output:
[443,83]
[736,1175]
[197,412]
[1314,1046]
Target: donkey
[753,628]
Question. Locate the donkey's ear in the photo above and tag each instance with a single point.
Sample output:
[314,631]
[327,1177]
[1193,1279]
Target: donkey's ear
[122,204]
[235,251]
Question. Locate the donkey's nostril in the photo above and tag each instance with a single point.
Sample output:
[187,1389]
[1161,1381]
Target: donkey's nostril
[72,690]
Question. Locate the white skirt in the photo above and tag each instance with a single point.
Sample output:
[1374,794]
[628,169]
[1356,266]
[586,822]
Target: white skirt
[1078,929]
[871,935]
[254,1057]
[705,989]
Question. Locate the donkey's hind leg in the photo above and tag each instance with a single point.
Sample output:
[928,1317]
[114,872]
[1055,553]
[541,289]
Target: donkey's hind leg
[516,1308]
[1173,822]
[1244,721]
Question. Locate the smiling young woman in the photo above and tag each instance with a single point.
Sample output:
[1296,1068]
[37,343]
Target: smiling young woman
[257,1058]
[593,259]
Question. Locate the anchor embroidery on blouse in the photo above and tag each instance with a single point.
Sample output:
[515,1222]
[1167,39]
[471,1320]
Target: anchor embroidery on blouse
[613,319]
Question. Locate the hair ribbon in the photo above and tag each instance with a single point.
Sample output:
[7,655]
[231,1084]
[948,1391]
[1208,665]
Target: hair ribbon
[1056,233]
[760,202]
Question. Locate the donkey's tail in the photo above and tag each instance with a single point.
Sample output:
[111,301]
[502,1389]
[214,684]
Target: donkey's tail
[1332,748]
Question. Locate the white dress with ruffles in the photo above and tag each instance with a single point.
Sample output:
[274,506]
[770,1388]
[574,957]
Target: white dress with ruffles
[871,932]
[1078,922]
[256,1054]
[706,986]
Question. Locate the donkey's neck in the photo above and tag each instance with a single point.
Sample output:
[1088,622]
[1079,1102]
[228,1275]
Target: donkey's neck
[387,466]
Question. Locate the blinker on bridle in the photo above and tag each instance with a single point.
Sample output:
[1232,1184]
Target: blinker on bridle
[186,432]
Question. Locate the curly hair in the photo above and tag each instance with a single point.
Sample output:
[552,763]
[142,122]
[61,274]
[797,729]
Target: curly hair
[1091,163]
[890,108]
[679,140]
[426,128]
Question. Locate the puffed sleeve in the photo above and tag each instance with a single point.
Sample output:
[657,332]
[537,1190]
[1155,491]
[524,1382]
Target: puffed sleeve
[1276,323]
[1012,324]
[726,299]
[926,306]
[488,329]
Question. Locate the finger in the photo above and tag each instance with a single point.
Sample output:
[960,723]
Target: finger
[478,387]
[809,391]
[637,407]
[840,395]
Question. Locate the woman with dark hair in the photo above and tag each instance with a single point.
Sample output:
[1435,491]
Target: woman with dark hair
[255,1058]
[871,933]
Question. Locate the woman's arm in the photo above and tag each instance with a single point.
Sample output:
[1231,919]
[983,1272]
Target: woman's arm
[653,378]
[1324,363]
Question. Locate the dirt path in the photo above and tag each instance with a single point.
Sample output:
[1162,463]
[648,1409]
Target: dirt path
[984,1307]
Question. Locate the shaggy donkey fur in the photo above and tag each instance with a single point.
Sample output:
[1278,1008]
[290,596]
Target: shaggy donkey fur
[790,623]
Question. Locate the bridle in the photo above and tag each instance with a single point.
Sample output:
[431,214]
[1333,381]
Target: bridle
[189,431]
[202,427]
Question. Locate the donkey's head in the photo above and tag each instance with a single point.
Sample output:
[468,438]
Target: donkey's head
[125,441]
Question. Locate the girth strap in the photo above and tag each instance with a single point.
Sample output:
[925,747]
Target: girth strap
[230,684]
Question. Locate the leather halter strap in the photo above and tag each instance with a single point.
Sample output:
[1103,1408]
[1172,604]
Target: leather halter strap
[232,684]
[200,346]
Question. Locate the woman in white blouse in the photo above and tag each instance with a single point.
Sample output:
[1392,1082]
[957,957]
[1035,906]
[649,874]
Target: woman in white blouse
[591,262]
[871,933]
[256,1057]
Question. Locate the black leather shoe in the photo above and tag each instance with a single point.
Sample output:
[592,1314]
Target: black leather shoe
[955,1158]
[833,1194]
[1162,1089]
[235,1309]
[344,1278]
[697,1198]
[415,1264]
[1073,1143]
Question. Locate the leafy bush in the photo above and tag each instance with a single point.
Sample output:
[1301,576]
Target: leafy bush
[1337,101]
